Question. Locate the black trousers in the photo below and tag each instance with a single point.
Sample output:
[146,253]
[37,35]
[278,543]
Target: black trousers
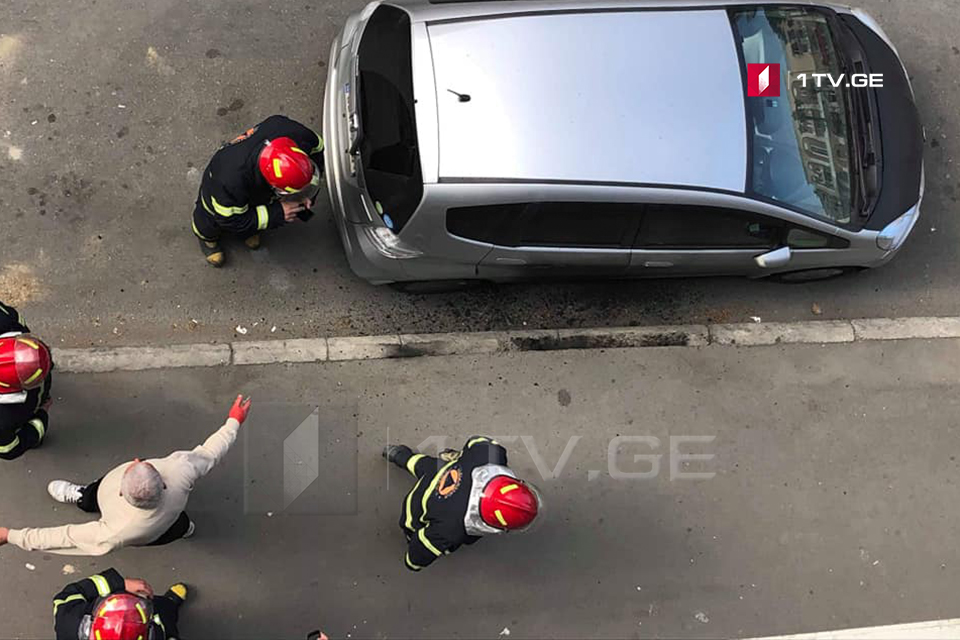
[88,503]
[204,226]
[167,607]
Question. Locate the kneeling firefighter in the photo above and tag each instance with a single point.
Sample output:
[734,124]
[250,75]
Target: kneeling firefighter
[25,380]
[263,179]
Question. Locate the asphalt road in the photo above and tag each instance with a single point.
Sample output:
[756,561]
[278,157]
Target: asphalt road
[109,109]
[830,503]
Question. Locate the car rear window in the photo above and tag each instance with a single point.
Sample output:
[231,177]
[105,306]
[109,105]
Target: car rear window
[389,156]
[548,224]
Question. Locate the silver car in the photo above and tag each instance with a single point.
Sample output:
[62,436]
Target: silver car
[620,138]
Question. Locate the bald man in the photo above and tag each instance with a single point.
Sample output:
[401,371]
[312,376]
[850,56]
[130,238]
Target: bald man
[141,503]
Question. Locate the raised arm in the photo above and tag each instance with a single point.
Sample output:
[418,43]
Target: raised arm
[204,458]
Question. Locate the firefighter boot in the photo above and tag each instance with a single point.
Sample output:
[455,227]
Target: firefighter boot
[252,242]
[180,591]
[213,253]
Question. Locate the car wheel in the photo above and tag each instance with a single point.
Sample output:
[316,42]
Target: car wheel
[814,275]
[434,286]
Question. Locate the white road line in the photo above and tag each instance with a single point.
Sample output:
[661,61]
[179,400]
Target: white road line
[930,630]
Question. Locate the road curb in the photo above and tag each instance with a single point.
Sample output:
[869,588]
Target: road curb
[345,349]
[817,332]
[141,358]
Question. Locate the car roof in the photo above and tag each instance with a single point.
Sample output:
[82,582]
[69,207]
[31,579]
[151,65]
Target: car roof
[613,95]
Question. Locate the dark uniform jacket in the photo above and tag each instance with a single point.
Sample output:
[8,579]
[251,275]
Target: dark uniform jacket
[22,424]
[234,191]
[434,510]
[78,599]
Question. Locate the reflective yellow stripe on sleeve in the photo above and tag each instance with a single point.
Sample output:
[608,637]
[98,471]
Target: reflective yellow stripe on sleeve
[263,217]
[319,147]
[7,448]
[408,508]
[37,424]
[73,598]
[431,487]
[422,534]
[101,583]
[227,211]
[412,463]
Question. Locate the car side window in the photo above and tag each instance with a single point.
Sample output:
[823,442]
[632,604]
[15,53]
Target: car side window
[702,227]
[548,224]
[800,238]
[579,224]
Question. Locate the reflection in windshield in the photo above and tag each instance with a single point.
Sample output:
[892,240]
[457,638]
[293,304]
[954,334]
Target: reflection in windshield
[801,152]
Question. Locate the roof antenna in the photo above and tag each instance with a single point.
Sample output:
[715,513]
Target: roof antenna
[463,97]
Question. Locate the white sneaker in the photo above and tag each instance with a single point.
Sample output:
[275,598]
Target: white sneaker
[190,530]
[65,492]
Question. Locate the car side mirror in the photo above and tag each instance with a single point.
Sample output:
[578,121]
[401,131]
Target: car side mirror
[774,259]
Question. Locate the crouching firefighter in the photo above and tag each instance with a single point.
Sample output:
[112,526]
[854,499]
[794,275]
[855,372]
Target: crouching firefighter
[25,379]
[108,606]
[459,498]
[263,179]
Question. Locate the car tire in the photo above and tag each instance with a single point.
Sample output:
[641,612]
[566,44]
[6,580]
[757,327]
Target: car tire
[814,275]
[434,286]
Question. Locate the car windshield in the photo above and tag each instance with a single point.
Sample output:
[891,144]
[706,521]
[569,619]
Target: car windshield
[801,150]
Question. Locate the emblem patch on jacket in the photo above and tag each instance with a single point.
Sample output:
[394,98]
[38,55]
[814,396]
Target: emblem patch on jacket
[449,482]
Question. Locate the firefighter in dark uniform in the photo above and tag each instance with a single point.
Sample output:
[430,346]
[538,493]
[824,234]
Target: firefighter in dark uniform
[266,177]
[25,380]
[459,498]
[108,606]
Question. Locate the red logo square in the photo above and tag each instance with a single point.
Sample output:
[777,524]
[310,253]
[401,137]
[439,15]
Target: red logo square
[763,80]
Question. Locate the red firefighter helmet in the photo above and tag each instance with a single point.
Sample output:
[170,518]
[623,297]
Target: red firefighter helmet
[24,363]
[122,616]
[508,503]
[288,169]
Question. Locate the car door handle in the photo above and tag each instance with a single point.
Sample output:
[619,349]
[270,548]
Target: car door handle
[511,261]
[657,263]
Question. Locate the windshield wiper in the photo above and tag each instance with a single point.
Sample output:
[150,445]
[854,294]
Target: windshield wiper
[864,160]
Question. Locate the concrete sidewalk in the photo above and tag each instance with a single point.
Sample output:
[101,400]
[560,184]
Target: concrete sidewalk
[830,503]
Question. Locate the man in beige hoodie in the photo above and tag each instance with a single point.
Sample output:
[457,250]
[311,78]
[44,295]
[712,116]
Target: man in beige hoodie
[141,503]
